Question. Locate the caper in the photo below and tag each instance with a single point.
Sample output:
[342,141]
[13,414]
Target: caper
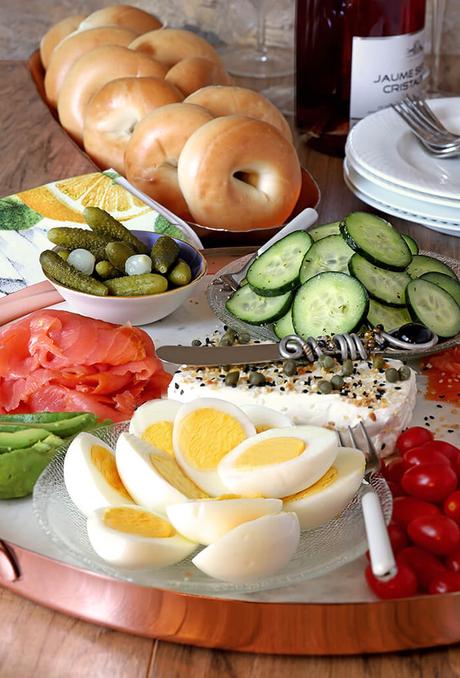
[196,342]
[244,338]
[337,381]
[378,362]
[391,375]
[231,333]
[347,368]
[226,368]
[327,362]
[404,373]
[225,340]
[257,379]
[324,387]
[289,367]
[232,378]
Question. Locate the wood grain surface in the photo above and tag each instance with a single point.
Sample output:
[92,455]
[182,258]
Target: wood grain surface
[37,642]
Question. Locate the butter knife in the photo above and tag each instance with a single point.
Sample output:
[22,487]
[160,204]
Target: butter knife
[207,356]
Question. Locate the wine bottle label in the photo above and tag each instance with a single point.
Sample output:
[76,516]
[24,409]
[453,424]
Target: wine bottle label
[384,71]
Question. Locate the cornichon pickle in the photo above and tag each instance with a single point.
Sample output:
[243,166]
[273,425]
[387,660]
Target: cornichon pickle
[117,253]
[102,222]
[164,253]
[181,274]
[64,254]
[76,238]
[67,275]
[106,270]
[137,285]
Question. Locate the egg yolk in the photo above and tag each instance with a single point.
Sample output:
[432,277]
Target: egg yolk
[270,451]
[325,481]
[104,461]
[206,435]
[159,435]
[137,522]
[263,427]
[170,470]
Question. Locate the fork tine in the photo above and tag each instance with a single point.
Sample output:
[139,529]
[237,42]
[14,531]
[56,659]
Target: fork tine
[426,110]
[353,439]
[340,436]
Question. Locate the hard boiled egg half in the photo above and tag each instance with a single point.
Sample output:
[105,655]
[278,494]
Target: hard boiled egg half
[153,422]
[326,498]
[91,476]
[279,462]
[265,418]
[205,430]
[132,537]
[206,520]
[255,549]
[153,478]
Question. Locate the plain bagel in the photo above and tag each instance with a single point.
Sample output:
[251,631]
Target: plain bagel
[114,111]
[240,101]
[197,72]
[73,47]
[171,45]
[125,16]
[93,70]
[56,33]
[153,151]
[238,173]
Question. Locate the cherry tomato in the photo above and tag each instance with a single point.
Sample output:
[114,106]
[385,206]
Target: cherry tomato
[423,564]
[395,489]
[453,561]
[406,509]
[413,437]
[448,450]
[452,506]
[449,582]
[457,465]
[430,482]
[423,455]
[398,537]
[394,470]
[437,534]
[403,584]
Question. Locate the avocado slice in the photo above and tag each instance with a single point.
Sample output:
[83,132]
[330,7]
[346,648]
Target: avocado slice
[21,439]
[19,469]
[38,417]
[64,427]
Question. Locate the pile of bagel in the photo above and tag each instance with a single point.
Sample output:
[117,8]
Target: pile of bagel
[157,105]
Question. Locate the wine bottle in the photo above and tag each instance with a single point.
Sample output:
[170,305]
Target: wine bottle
[354,57]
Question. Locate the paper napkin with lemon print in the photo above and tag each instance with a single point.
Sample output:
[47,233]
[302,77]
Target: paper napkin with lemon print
[26,217]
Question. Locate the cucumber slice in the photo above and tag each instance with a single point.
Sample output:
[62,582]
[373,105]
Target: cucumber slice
[328,254]
[410,242]
[446,282]
[276,271]
[283,327]
[383,285]
[421,264]
[246,305]
[325,230]
[390,317]
[376,240]
[329,303]
[433,307]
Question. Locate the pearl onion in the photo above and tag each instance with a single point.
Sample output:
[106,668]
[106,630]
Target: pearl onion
[138,264]
[82,260]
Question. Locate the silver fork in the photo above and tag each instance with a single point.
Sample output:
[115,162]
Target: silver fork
[420,106]
[436,141]
[381,554]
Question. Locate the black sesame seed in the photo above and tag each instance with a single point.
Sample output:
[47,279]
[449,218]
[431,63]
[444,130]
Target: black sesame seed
[450,430]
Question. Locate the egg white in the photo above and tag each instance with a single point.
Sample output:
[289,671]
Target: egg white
[151,413]
[322,504]
[279,479]
[255,549]
[206,520]
[265,418]
[206,478]
[86,485]
[133,551]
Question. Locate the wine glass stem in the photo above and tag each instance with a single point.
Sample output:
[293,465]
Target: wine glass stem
[438,8]
[261,47]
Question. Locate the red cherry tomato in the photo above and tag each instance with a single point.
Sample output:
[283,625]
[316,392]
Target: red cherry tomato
[406,509]
[394,470]
[403,584]
[413,437]
[395,489]
[437,534]
[452,506]
[423,455]
[398,537]
[448,450]
[449,582]
[430,482]
[423,564]
[453,561]
[457,465]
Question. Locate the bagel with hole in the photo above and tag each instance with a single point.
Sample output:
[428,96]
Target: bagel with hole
[93,70]
[114,111]
[240,101]
[153,152]
[73,47]
[55,34]
[238,173]
[197,72]
[125,16]
[171,45]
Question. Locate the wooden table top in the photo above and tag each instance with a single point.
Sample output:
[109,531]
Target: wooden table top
[36,641]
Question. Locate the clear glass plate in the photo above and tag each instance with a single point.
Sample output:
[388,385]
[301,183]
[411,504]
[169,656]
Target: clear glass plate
[321,550]
[218,293]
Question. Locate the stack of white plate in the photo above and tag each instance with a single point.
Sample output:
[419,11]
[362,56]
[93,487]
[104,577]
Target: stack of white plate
[387,167]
